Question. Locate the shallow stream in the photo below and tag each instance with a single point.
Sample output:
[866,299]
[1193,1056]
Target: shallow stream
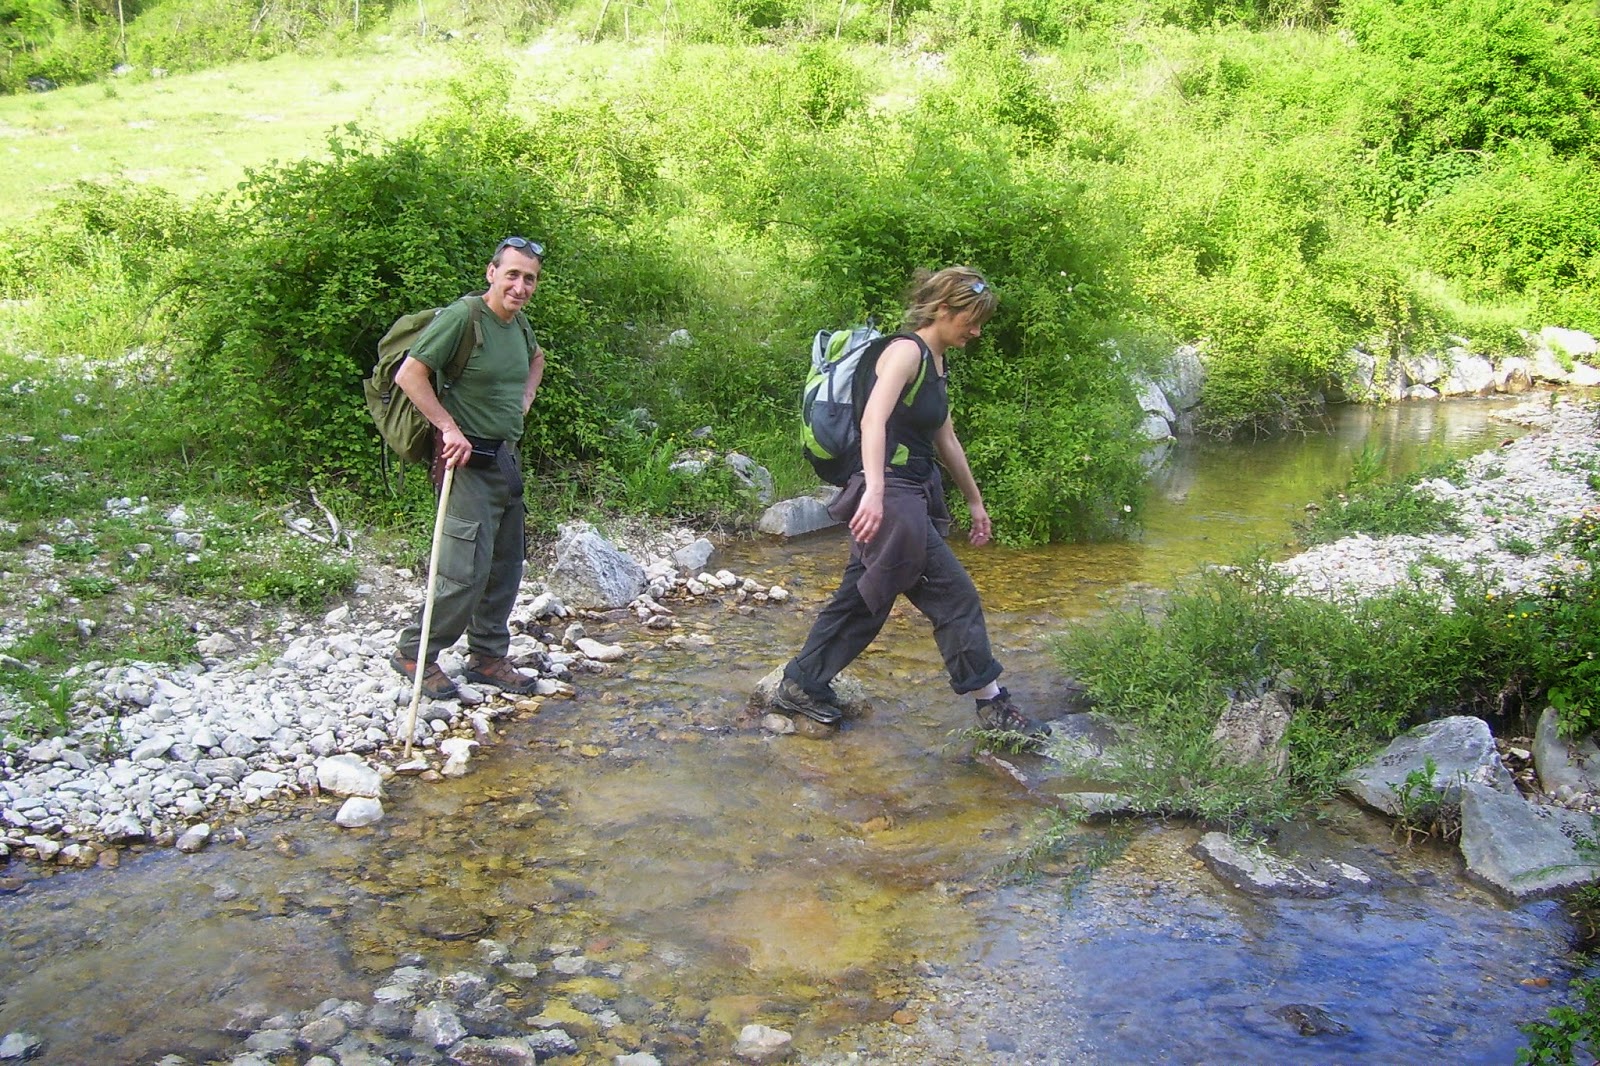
[843,890]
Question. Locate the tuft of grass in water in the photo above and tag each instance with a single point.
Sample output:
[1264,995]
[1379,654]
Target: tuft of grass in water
[1000,741]
[1068,850]
[1424,807]
[1379,506]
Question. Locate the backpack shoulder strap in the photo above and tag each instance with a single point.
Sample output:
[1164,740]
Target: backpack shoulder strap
[527,334]
[471,340]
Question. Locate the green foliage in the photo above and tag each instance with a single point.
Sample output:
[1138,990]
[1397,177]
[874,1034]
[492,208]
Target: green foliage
[1524,225]
[1358,674]
[324,254]
[1570,1029]
[1422,808]
[1379,506]
[1556,627]
[1463,79]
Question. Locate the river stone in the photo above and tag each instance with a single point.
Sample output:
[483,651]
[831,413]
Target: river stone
[1254,870]
[152,748]
[359,812]
[1470,375]
[551,1042]
[638,1058]
[694,555]
[1523,849]
[1562,763]
[194,838]
[792,518]
[1251,731]
[348,775]
[1461,747]
[271,1041]
[322,1033]
[19,1046]
[437,1025]
[504,1051]
[215,646]
[591,572]
[602,653]
[848,694]
[760,1043]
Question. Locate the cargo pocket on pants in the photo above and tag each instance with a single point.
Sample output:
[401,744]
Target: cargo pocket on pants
[458,551]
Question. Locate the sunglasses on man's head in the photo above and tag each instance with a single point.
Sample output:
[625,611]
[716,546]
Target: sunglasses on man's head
[978,287]
[522,244]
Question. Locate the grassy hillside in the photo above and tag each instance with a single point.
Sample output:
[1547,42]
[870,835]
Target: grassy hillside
[1274,185]
[196,133]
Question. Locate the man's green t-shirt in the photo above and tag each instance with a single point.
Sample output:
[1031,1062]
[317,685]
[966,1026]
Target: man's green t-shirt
[486,401]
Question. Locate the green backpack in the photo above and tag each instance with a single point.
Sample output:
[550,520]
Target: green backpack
[402,427]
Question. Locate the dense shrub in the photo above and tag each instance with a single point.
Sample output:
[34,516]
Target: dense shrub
[322,255]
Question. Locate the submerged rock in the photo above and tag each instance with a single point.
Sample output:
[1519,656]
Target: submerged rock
[1253,869]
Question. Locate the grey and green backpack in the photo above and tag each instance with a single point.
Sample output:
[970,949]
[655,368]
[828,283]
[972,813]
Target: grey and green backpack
[835,394]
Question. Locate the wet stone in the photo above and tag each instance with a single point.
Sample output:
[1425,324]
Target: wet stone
[18,1047]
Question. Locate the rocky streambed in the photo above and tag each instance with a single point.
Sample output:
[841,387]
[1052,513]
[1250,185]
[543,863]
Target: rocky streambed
[633,870]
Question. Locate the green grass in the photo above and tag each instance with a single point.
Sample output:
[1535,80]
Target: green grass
[197,133]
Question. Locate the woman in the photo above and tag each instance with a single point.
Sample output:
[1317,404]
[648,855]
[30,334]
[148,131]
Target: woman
[898,520]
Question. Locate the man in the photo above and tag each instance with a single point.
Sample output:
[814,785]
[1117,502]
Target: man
[477,425]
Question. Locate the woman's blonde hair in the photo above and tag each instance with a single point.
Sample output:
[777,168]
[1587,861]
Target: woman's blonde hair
[960,288]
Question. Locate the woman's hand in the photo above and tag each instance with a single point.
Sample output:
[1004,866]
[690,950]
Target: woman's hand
[868,519]
[982,530]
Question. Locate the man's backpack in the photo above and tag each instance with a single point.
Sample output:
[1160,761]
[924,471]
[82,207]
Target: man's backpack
[402,427]
[835,394]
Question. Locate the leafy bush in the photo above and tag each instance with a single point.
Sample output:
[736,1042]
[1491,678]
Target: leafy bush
[1557,629]
[324,254]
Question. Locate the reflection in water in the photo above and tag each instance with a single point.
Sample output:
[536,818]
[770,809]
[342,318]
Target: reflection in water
[713,875]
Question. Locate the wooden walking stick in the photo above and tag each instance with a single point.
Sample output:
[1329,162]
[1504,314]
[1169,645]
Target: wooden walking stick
[427,608]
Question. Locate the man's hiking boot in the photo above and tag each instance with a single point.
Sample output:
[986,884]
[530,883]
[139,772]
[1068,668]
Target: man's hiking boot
[436,684]
[497,670]
[1002,715]
[796,700]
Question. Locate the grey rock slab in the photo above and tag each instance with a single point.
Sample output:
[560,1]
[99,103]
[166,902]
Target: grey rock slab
[19,1046]
[437,1025]
[194,838]
[1254,869]
[357,812]
[504,1051]
[1462,750]
[1523,849]
[693,556]
[348,775]
[794,517]
[761,1043]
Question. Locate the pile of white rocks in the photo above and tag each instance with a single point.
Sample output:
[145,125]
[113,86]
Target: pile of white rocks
[1515,503]
[159,751]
